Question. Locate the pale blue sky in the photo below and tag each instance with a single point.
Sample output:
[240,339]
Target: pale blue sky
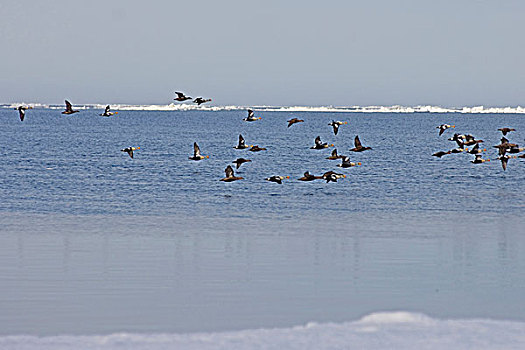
[385,52]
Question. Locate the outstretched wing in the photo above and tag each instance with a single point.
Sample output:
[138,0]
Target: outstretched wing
[336,128]
[69,107]
[180,94]
[334,152]
[441,130]
[318,141]
[241,141]
[229,171]
[22,113]
[251,114]
[357,142]
[196,150]
[504,161]
[107,110]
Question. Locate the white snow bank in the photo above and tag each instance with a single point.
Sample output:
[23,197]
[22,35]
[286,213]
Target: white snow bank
[388,330]
[291,109]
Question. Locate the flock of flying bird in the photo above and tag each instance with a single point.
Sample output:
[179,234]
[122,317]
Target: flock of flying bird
[465,140]
[462,140]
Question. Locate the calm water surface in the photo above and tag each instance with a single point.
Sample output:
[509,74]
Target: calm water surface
[94,242]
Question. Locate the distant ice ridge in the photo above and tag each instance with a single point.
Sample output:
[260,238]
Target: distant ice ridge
[385,330]
[291,109]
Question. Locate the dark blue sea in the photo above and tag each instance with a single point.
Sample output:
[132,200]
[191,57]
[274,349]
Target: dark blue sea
[94,242]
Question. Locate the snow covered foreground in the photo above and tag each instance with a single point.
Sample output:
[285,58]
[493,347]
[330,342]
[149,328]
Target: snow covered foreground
[389,330]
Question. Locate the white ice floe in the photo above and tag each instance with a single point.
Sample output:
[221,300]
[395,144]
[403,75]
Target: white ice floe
[348,109]
[386,330]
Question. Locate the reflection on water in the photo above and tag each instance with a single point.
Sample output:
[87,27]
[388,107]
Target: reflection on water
[88,274]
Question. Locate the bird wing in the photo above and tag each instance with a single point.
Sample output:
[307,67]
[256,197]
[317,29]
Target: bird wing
[334,152]
[22,114]
[242,143]
[504,161]
[441,130]
[229,171]
[251,114]
[196,150]
[69,107]
[336,128]
[357,142]
[180,94]
[318,140]
[107,110]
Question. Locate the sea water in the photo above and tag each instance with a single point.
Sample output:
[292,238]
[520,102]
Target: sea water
[94,243]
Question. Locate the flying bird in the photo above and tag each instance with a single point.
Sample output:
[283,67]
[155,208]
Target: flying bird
[334,155]
[22,112]
[130,150]
[319,144]
[358,147]
[256,148]
[293,121]
[107,113]
[309,177]
[197,153]
[332,176]
[335,125]
[251,116]
[230,175]
[181,97]
[241,144]
[200,100]
[440,154]
[69,108]
[240,161]
[479,159]
[444,127]
[277,179]
[346,163]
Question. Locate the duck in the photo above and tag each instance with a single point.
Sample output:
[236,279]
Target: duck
[69,108]
[293,121]
[476,149]
[471,140]
[444,127]
[332,176]
[277,179]
[251,116]
[256,148]
[309,177]
[504,131]
[440,154]
[516,149]
[181,97]
[130,150]
[197,153]
[479,159]
[358,147]
[334,155]
[242,143]
[230,175]
[200,100]
[240,161]
[22,111]
[107,113]
[346,163]
[335,125]
[319,144]
[504,146]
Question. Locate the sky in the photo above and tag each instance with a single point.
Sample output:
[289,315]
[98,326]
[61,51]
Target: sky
[249,53]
